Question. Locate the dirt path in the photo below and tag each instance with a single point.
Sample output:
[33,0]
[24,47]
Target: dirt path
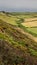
[29,35]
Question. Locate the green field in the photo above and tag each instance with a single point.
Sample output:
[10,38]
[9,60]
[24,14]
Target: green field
[32,31]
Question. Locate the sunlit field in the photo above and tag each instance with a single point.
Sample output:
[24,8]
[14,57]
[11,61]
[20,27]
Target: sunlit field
[30,24]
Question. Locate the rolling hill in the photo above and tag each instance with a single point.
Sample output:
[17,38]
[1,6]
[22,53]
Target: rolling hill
[16,47]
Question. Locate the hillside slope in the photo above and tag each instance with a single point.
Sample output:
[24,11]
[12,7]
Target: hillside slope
[16,48]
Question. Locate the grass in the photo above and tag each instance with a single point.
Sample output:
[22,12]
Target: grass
[18,18]
[33,52]
[11,32]
[25,47]
[30,23]
[10,20]
[32,31]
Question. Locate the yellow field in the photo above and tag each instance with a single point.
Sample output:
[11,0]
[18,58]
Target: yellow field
[30,24]
[31,19]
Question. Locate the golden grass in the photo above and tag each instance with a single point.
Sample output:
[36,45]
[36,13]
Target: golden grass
[30,24]
[30,19]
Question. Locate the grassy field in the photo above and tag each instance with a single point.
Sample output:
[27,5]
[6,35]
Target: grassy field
[9,19]
[30,24]
[33,30]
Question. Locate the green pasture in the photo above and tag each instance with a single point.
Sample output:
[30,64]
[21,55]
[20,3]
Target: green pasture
[33,31]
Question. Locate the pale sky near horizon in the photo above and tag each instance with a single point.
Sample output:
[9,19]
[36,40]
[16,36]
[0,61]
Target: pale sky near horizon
[29,4]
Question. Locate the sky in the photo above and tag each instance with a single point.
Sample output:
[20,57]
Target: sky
[18,5]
